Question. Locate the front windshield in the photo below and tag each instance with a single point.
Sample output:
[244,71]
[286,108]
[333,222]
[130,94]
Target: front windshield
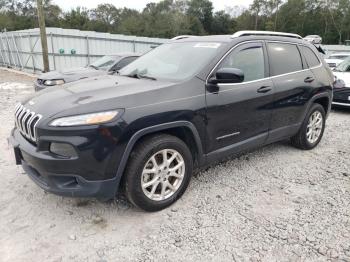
[173,61]
[104,63]
[343,66]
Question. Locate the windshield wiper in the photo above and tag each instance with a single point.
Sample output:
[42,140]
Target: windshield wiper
[94,67]
[139,76]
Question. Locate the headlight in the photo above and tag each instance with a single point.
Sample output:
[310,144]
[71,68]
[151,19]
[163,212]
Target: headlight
[87,119]
[54,82]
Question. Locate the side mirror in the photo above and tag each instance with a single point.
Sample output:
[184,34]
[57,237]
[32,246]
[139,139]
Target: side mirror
[227,76]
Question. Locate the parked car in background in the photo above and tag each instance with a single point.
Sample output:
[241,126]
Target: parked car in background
[183,106]
[342,87]
[101,66]
[335,59]
[313,39]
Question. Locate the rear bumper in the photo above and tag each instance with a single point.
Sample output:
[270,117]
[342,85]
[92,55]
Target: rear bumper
[40,167]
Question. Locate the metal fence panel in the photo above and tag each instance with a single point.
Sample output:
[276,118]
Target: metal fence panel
[67,47]
[75,48]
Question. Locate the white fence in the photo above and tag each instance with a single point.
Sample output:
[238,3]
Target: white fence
[67,47]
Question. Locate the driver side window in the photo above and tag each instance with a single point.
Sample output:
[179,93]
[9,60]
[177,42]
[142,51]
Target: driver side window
[249,58]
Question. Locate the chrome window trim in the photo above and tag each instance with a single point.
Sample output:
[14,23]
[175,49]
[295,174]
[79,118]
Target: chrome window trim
[262,79]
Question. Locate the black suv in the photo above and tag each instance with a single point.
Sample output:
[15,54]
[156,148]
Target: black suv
[184,105]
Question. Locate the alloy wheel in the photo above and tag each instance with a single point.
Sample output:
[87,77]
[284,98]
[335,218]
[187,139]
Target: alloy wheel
[314,127]
[163,174]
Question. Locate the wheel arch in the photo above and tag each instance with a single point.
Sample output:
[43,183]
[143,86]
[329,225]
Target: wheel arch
[180,129]
[324,99]
[325,102]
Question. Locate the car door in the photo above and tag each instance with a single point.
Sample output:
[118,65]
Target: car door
[238,114]
[294,83]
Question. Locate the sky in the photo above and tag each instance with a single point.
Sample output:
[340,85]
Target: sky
[140,4]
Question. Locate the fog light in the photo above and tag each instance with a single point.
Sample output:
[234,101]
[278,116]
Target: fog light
[63,149]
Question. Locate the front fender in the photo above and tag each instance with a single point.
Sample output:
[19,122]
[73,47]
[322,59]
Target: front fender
[153,129]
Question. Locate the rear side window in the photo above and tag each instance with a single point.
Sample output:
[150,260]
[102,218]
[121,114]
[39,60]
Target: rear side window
[311,58]
[249,58]
[284,58]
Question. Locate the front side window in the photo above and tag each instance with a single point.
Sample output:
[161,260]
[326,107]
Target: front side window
[174,61]
[310,56]
[249,58]
[284,58]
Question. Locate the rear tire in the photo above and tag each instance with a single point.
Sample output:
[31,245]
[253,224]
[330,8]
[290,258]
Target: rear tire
[312,129]
[158,172]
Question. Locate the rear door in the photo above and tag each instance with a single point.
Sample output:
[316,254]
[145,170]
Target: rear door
[293,82]
[239,114]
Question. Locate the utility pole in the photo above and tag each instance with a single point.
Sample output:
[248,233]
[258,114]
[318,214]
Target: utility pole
[41,19]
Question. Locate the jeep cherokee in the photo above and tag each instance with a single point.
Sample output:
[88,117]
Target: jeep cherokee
[184,105]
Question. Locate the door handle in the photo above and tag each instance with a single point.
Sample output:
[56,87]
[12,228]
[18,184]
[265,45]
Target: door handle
[264,89]
[309,79]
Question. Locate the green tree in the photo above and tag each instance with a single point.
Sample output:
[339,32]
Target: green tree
[168,18]
[203,10]
[77,18]
[223,23]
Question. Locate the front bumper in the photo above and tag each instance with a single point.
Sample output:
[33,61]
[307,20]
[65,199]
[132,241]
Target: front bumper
[51,172]
[341,97]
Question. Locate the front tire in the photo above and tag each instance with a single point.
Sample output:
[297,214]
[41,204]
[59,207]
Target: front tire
[158,172]
[312,129]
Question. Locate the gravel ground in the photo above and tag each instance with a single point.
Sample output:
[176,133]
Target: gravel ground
[274,204]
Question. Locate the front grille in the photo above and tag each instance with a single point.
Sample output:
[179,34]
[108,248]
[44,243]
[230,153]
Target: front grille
[26,122]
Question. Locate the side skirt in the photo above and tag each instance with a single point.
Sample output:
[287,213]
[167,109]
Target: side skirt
[230,150]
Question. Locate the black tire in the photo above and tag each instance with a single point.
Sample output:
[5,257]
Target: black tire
[300,139]
[139,158]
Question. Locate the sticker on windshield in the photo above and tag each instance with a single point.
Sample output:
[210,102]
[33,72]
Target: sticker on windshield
[207,45]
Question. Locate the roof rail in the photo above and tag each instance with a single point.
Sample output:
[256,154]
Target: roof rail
[179,37]
[268,33]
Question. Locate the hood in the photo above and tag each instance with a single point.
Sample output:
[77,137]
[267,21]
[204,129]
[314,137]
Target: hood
[72,74]
[98,94]
[345,76]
